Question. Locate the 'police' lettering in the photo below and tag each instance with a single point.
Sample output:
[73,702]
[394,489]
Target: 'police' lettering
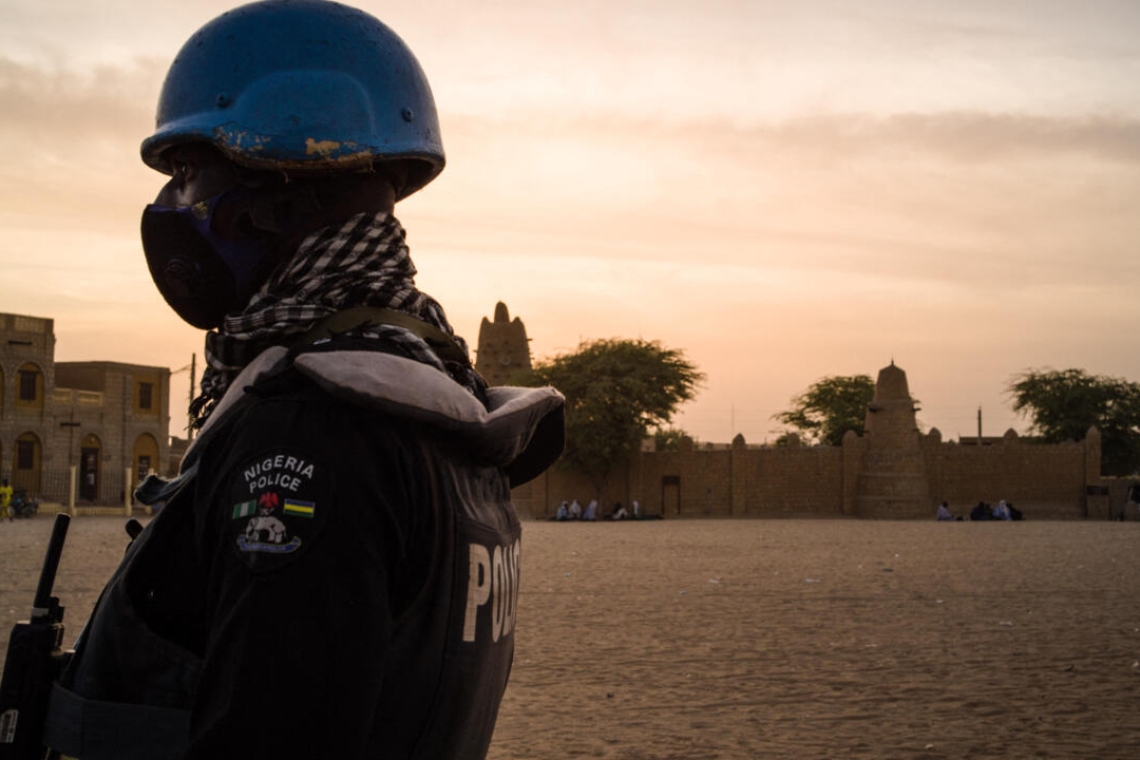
[281,471]
[492,578]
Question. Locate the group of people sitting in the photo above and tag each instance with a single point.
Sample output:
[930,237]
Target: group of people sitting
[573,511]
[983,511]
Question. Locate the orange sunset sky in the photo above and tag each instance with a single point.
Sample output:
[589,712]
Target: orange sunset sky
[783,190]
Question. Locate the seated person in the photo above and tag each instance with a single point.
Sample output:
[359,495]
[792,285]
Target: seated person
[981,512]
[944,511]
[591,512]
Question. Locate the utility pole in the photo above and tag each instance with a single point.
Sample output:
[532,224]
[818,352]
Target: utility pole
[193,367]
[193,380]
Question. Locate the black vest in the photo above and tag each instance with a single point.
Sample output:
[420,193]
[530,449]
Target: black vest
[128,691]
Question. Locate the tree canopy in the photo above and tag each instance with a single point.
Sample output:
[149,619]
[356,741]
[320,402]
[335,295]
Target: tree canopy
[616,391]
[1063,404]
[669,439]
[829,408]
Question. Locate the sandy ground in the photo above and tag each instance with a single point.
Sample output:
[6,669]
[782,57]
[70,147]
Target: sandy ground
[695,639]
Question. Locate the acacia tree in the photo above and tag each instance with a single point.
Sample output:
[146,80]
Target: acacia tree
[829,408]
[616,391]
[1063,404]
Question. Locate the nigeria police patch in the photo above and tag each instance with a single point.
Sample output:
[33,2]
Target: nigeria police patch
[279,502]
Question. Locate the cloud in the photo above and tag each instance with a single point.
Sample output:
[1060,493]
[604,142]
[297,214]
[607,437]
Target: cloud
[785,191]
[919,196]
[966,137]
[104,101]
[971,198]
[73,141]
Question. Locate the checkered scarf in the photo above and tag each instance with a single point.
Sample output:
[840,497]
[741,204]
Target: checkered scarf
[364,262]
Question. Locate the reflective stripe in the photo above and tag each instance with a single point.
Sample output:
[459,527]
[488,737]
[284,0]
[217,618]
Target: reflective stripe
[93,730]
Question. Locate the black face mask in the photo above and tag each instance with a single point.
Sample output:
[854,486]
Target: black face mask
[203,274]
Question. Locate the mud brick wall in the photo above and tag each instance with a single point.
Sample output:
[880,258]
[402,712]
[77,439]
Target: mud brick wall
[796,481]
[694,483]
[540,497]
[1044,481]
[1047,481]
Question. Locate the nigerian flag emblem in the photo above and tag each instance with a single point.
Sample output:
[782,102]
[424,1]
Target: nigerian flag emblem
[244,509]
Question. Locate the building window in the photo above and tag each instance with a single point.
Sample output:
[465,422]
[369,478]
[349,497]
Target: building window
[146,392]
[28,379]
[25,455]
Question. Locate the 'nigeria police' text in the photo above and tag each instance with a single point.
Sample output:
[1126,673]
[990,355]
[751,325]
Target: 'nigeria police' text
[281,471]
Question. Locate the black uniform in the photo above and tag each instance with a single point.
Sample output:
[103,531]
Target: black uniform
[334,575]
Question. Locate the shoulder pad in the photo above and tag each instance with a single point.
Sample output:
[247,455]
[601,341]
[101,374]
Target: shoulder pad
[521,429]
[499,434]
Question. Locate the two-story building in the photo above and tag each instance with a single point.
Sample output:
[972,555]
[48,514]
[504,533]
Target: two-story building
[76,425]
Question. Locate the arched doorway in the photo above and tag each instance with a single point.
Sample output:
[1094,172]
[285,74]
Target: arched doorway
[26,463]
[146,456]
[90,456]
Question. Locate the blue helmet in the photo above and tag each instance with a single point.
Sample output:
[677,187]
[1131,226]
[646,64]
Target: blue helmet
[307,87]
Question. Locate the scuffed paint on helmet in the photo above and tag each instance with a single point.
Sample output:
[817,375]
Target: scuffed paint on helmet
[307,87]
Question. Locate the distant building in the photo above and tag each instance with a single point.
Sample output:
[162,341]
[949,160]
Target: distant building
[892,478]
[99,417]
[892,471]
[503,349]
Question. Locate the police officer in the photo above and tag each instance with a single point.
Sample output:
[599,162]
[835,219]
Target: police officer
[335,571]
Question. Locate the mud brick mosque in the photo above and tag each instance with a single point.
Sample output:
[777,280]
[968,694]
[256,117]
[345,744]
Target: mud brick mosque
[97,428]
[892,471]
